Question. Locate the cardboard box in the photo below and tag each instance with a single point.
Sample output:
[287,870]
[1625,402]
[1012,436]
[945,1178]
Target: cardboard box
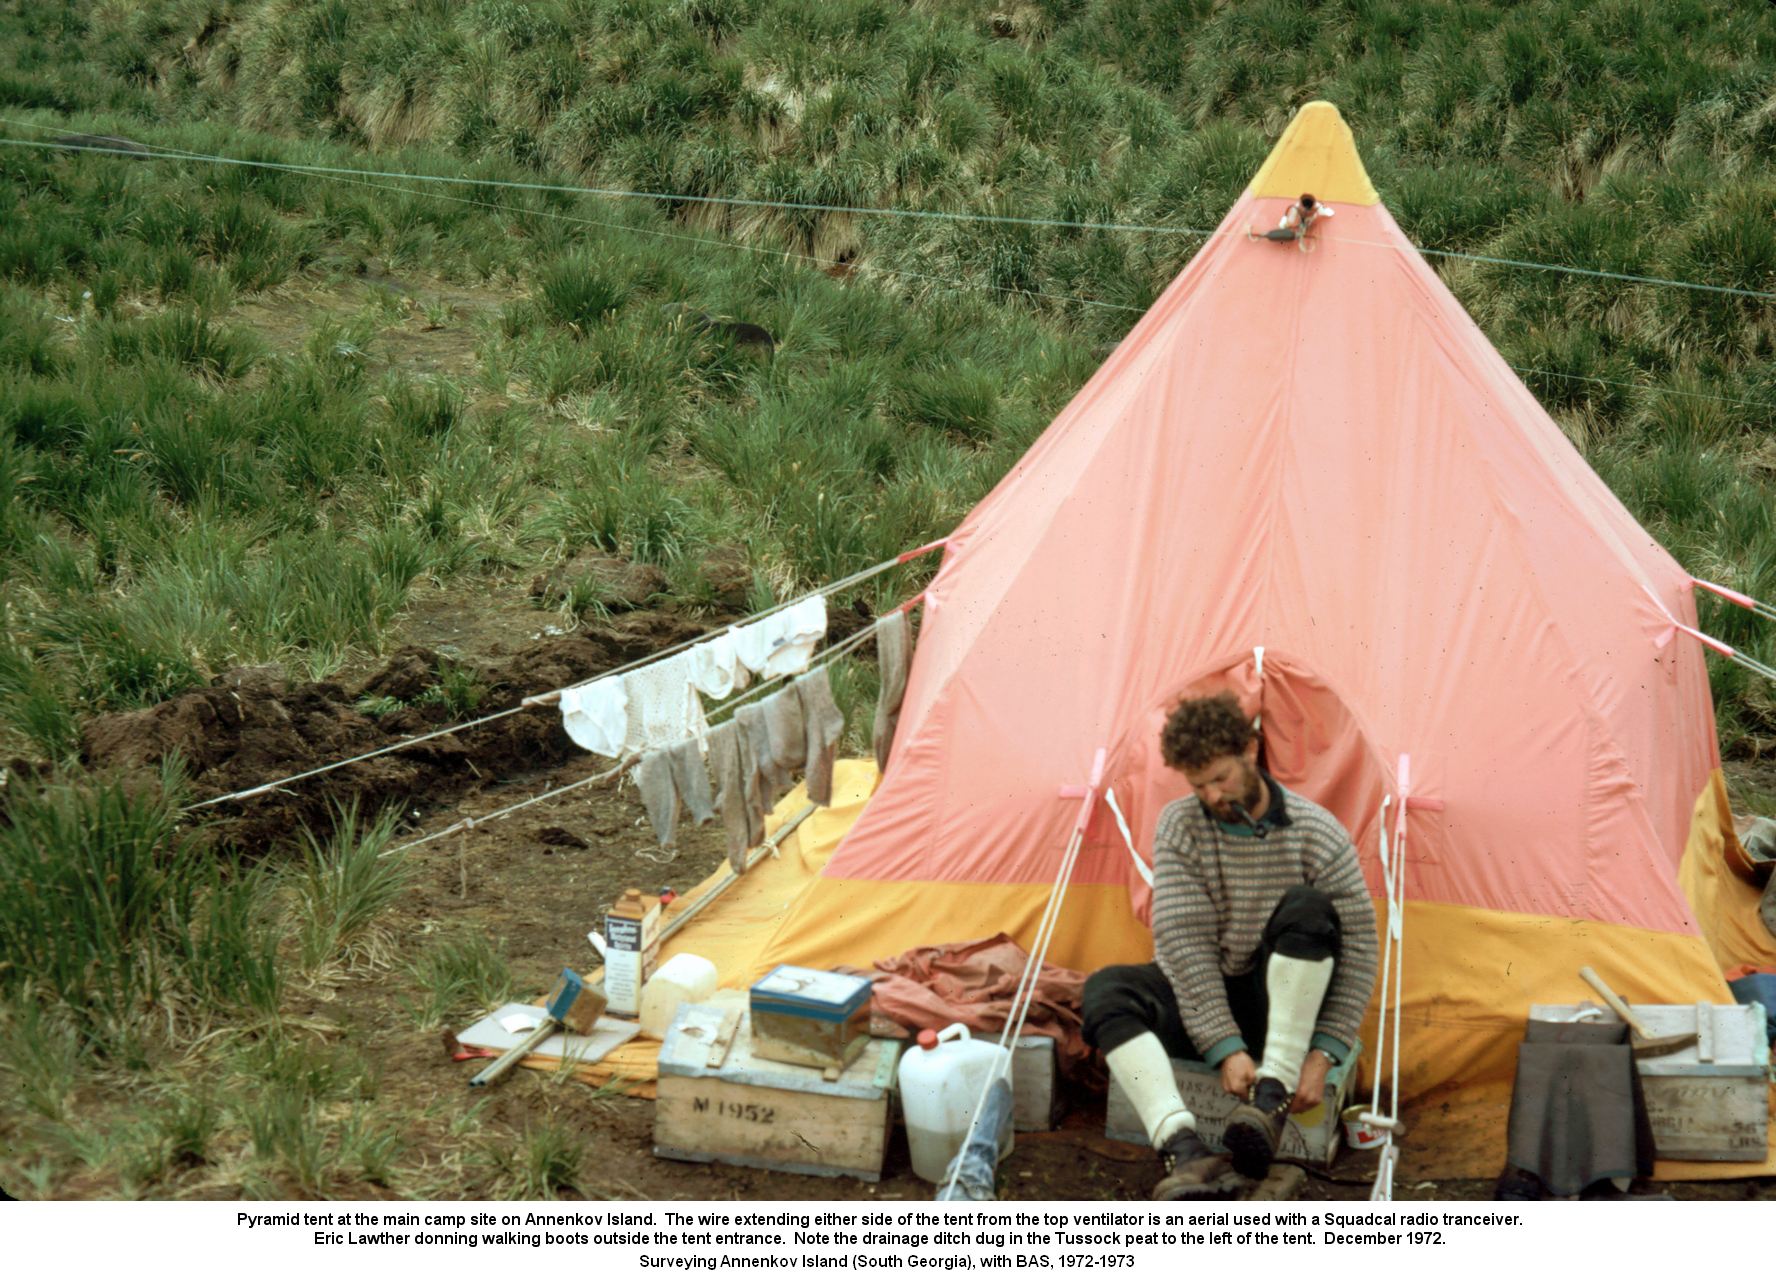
[1710,1101]
[631,948]
[1311,1138]
[720,1102]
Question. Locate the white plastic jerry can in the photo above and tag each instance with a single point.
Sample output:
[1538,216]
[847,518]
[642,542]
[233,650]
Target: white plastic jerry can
[941,1081]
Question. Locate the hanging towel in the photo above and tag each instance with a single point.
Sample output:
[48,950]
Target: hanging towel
[781,644]
[663,708]
[653,779]
[731,777]
[825,725]
[716,668]
[691,780]
[596,716]
[894,656]
[788,736]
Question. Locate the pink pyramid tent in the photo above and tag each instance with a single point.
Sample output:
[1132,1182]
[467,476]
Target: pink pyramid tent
[1309,476]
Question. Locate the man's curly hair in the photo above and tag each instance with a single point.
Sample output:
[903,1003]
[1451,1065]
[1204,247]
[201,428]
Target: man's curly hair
[1202,730]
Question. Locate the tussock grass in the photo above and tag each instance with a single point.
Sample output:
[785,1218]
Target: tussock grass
[342,886]
[113,919]
[458,975]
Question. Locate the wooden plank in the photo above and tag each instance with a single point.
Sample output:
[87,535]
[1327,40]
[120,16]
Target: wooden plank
[712,1119]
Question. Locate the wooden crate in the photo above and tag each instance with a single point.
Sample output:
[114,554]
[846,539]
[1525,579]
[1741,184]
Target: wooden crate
[1709,1102]
[1311,1138]
[717,1102]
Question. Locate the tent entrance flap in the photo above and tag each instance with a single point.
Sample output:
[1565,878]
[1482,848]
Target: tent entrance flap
[1310,742]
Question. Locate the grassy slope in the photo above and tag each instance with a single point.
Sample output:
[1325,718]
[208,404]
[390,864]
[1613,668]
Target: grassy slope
[212,450]
[1632,137]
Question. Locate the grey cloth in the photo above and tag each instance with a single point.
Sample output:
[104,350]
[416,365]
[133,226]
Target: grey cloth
[894,657]
[665,777]
[755,760]
[788,738]
[732,776]
[692,780]
[1577,1112]
[653,779]
[825,726]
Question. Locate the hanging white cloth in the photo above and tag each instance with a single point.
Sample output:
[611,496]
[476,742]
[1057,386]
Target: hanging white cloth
[1141,867]
[781,644]
[663,707]
[596,716]
[716,668]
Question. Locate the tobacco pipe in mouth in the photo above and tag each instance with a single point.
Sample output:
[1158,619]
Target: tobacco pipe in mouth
[1244,815]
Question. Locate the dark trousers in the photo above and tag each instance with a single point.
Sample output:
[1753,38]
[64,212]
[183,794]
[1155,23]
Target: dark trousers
[1126,1000]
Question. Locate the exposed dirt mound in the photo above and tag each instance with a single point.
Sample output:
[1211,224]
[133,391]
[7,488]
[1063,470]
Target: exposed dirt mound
[253,727]
[613,582]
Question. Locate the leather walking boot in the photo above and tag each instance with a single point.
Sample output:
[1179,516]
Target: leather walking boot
[1254,1129]
[1193,1172]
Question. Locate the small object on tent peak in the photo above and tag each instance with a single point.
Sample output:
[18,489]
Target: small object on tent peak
[1297,221]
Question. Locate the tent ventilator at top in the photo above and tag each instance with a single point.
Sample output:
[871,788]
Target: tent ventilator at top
[1025,993]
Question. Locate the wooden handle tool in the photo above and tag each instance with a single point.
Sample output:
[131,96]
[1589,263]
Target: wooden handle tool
[1645,1043]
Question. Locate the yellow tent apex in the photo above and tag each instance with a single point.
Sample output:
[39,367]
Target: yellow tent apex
[1315,155]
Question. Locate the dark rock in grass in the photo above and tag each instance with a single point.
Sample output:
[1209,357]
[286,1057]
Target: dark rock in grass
[612,582]
[740,333]
[97,141]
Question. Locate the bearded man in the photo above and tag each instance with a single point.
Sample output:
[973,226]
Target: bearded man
[1265,945]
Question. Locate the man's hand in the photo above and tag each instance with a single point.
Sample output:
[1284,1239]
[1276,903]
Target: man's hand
[1311,1090]
[1238,1074]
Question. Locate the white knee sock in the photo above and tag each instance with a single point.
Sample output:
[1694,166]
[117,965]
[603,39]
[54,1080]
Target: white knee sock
[1296,988]
[1144,1070]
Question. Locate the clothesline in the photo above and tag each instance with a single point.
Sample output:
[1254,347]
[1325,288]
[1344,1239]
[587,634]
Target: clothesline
[551,697]
[823,659]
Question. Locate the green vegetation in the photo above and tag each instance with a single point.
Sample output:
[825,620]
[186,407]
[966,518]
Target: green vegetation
[219,446]
[343,885]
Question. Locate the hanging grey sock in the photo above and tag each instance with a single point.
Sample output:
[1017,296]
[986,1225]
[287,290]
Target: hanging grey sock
[826,725]
[789,737]
[653,779]
[692,780]
[755,759]
[894,658]
[731,779]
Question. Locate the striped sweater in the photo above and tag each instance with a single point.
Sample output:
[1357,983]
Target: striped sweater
[1214,889]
